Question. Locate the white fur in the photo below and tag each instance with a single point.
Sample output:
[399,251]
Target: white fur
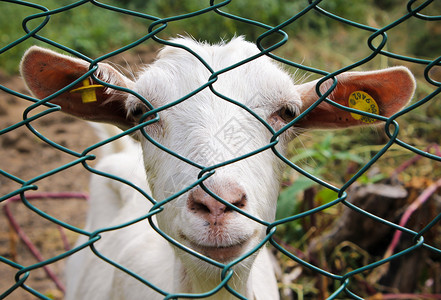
[185,128]
[207,130]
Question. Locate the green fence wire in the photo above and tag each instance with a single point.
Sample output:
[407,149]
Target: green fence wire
[377,42]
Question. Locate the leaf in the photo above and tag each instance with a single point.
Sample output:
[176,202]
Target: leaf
[326,195]
[307,153]
[288,203]
[349,156]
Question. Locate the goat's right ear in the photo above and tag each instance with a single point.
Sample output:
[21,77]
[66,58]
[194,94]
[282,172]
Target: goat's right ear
[46,72]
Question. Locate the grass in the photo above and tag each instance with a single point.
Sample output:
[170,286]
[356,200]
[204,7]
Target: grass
[87,29]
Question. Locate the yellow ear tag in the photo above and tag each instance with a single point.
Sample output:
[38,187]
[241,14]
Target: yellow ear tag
[87,91]
[363,101]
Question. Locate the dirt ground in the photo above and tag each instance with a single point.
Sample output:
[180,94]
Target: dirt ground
[26,156]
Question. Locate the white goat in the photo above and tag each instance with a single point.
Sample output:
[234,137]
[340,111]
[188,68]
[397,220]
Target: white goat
[207,130]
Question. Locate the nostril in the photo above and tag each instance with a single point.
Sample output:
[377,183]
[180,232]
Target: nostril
[242,202]
[197,206]
[239,202]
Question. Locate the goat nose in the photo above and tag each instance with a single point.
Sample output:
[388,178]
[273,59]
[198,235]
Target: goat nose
[211,210]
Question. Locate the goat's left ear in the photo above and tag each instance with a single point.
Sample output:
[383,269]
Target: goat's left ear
[46,72]
[390,89]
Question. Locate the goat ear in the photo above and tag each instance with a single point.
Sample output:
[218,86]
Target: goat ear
[391,89]
[46,72]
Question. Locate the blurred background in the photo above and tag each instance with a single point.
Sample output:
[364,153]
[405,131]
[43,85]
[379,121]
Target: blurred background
[315,41]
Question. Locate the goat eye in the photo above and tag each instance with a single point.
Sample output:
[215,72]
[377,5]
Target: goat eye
[287,114]
[139,110]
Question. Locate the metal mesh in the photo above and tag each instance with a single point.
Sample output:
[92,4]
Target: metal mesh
[377,42]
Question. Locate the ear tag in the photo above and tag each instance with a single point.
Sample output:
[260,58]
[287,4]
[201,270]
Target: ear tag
[87,91]
[363,101]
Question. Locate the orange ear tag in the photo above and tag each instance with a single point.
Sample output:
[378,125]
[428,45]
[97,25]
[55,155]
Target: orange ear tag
[363,101]
[87,91]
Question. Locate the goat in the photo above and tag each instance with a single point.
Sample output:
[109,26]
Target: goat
[207,130]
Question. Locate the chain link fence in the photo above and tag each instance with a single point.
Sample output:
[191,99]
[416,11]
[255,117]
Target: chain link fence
[321,261]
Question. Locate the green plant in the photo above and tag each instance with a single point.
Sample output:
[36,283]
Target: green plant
[87,29]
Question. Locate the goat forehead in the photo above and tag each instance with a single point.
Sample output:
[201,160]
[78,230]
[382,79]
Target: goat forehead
[178,72]
[205,119]
[217,56]
[215,135]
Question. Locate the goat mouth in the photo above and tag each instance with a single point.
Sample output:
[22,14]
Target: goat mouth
[222,254]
